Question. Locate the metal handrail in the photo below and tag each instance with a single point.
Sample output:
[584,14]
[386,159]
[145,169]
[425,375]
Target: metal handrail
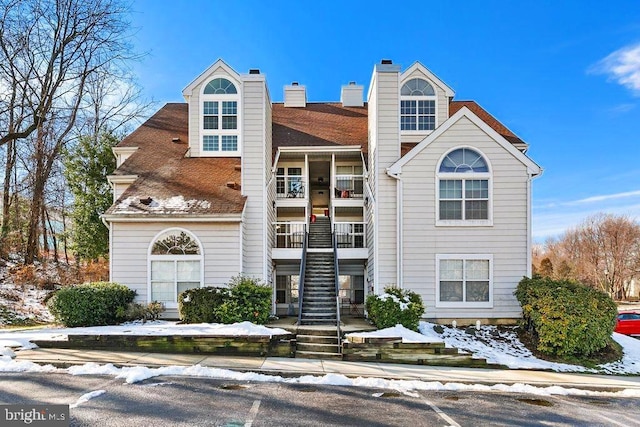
[337,282]
[303,266]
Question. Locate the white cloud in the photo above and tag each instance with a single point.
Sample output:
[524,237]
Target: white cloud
[622,66]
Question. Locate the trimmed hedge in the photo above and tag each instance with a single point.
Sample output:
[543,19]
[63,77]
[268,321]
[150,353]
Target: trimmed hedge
[566,318]
[245,299]
[199,305]
[90,304]
[395,306]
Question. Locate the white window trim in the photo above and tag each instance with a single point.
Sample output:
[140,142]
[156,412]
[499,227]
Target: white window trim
[220,132]
[418,98]
[173,258]
[462,304]
[465,177]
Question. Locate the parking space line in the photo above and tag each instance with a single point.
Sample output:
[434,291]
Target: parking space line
[442,415]
[252,413]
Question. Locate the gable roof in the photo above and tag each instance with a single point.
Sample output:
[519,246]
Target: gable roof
[417,66]
[176,184]
[533,168]
[319,124]
[219,64]
[455,106]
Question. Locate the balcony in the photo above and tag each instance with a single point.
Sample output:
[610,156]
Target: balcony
[289,238]
[290,187]
[349,187]
[351,240]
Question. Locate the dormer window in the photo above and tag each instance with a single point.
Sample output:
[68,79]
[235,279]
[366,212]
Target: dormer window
[417,106]
[220,117]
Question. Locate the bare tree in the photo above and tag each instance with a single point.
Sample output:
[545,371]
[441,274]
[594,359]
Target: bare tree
[603,252]
[50,52]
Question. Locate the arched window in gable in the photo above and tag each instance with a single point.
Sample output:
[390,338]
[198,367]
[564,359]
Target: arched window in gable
[175,257]
[220,118]
[417,106]
[464,188]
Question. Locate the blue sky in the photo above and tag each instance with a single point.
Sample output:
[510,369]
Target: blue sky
[562,75]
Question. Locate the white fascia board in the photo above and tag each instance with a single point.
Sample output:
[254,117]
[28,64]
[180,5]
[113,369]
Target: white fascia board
[322,149]
[532,167]
[427,72]
[123,150]
[171,218]
[186,92]
[121,179]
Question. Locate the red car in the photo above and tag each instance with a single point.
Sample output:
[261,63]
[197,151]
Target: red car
[628,323]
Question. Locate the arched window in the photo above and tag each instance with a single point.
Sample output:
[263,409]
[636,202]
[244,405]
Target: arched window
[417,106]
[464,188]
[175,257]
[220,134]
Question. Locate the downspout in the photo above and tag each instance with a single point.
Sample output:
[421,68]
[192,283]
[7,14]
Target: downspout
[399,215]
[109,226]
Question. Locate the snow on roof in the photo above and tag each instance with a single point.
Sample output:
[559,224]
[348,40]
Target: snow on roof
[175,204]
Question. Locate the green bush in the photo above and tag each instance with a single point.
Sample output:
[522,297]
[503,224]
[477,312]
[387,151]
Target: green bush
[395,306]
[566,318]
[248,300]
[245,299]
[134,311]
[90,304]
[200,305]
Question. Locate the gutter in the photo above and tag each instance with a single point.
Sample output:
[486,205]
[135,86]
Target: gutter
[399,215]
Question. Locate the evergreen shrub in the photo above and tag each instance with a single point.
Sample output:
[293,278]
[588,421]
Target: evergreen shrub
[395,306]
[245,299]
[566,318]
[90,304]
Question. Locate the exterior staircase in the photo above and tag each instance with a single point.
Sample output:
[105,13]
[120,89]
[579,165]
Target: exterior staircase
[317,334]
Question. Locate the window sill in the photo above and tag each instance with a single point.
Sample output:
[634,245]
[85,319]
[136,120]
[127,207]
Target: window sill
[220,153]
[469,305]
[463,223]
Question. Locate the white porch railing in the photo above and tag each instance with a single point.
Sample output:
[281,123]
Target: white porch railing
[289,234]
[350,234]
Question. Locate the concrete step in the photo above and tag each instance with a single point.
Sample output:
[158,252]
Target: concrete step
[325,331]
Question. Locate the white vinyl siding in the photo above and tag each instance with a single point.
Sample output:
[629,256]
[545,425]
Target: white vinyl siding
[387,131]
[130,249]
[505,240]
[254,177]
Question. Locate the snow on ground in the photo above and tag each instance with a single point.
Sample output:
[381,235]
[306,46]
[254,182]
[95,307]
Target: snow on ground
[23,339]
[398,331]
[21,304]
[497,345]
[87,397]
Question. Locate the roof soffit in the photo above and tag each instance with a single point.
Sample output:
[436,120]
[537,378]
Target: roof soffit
[533,167]
[417,66]
[218,67]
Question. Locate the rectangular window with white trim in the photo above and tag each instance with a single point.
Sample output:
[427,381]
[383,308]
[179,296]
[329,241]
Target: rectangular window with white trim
[464,280]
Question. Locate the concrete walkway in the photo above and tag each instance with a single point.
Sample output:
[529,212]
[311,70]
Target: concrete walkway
[296,366]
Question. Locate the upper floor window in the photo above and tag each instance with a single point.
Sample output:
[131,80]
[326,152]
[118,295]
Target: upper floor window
[464,189]
[220,134]
[417,106]
[175,262]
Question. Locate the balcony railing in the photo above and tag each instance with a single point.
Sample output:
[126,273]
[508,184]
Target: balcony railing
[350,234]
[349,186]
[290,187]
[290,234]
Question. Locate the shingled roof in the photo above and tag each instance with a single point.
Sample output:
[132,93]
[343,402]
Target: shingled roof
[319,124]
[169,183]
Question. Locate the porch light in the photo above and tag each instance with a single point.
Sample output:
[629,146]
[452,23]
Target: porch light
[274,205]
